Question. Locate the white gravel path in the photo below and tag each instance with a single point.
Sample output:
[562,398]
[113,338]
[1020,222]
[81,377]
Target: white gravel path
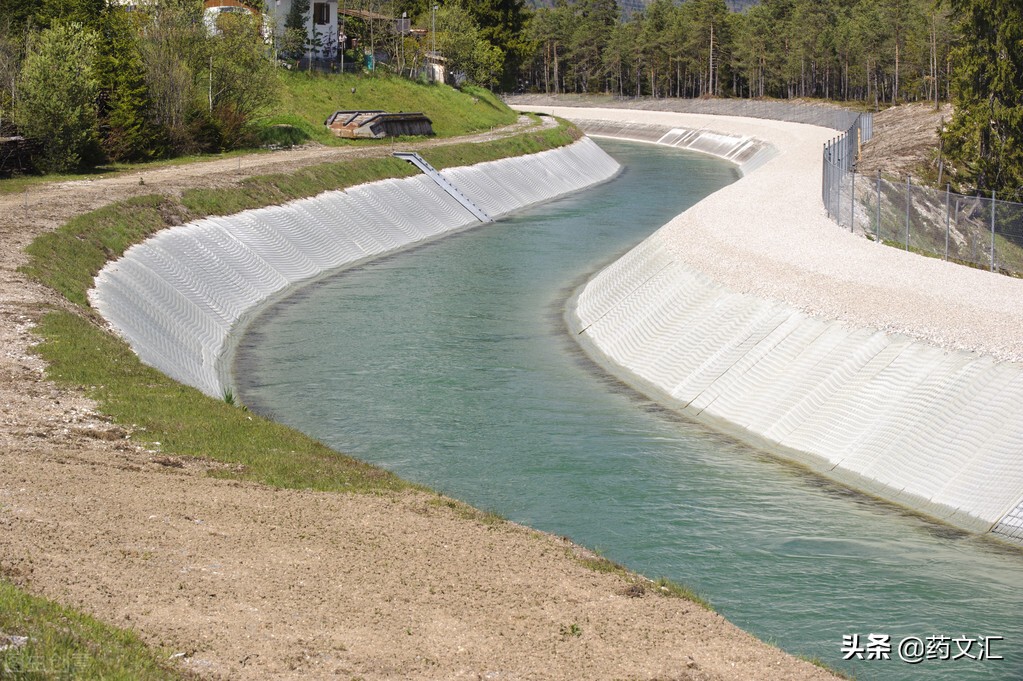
[768,235]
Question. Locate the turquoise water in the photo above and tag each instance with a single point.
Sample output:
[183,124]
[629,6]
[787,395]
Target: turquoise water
[451,366]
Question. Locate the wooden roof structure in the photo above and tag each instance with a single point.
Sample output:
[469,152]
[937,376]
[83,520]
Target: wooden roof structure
[375,124]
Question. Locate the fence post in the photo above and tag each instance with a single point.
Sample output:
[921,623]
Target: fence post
[831,178]
[838,195]
[909,195]
[992,230]
[826,184]
[852,202]
[824,175]
[877,228]
[948,190]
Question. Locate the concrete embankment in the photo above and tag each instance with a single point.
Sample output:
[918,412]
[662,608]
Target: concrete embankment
[896,374]
[179,297]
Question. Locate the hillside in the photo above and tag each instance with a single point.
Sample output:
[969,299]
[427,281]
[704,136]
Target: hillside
[306,99]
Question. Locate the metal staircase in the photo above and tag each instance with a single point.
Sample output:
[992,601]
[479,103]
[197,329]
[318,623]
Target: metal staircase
[431,172]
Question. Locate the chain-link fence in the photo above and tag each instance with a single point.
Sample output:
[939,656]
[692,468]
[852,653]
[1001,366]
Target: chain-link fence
[972,230]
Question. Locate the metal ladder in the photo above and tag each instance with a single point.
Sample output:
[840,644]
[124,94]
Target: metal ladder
[431,172]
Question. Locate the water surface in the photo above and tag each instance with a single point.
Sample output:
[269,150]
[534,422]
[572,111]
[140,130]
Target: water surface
[451,365]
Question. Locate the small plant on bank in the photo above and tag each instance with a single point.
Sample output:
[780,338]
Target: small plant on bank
[571,631]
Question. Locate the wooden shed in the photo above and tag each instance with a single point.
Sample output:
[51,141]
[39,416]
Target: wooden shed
[377,124]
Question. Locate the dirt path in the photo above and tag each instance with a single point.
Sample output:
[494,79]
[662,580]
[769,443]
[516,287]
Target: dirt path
[250,582]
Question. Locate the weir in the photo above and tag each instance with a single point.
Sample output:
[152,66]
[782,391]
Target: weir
[178,297]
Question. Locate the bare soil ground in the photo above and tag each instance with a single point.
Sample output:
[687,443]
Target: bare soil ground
[249,582]
[905,140]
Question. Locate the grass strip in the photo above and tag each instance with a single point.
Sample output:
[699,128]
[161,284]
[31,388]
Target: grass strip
[170,417]
[76,252]
[531,142]
[64,644]
[68,259]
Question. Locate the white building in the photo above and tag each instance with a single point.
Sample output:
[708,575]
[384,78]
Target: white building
[321,24]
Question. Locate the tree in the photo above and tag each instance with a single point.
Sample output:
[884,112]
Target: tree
[590,24]
[89,13]
[12,51]
[57,96]
[547,33]
[19,14]
[296,29]
[985,138]
[469,57]
[242,81]
[124,104]
[502,24]
[172,39]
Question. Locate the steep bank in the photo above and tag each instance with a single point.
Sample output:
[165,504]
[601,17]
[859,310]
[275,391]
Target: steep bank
[177,297]
[753,311]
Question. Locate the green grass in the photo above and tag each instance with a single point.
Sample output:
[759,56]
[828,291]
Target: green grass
[69,258]
[165,415]
[64,644]
[264,190]
[307,99]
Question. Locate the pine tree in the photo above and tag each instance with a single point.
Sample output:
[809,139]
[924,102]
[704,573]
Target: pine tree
[58,91]
[985,138]
[127,133]
[296,29]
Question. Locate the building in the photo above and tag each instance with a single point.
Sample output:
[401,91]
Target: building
[321,25]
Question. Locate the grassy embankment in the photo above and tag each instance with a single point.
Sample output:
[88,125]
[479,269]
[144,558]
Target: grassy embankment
[306,99]
[182,420]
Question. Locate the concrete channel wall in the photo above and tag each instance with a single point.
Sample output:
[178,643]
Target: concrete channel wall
[178,297]
[937,429]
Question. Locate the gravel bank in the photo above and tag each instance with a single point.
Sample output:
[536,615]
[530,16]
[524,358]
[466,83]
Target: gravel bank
[768,235]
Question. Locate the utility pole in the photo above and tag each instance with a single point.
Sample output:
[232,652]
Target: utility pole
[433,34]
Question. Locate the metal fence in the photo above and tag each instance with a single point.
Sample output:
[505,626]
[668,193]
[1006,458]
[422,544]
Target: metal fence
[979,231]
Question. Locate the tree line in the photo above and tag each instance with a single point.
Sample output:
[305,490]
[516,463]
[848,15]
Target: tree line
[880,51]
[93,82]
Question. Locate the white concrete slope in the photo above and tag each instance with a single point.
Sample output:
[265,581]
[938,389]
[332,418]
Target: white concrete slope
[752,310]
[178,297]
